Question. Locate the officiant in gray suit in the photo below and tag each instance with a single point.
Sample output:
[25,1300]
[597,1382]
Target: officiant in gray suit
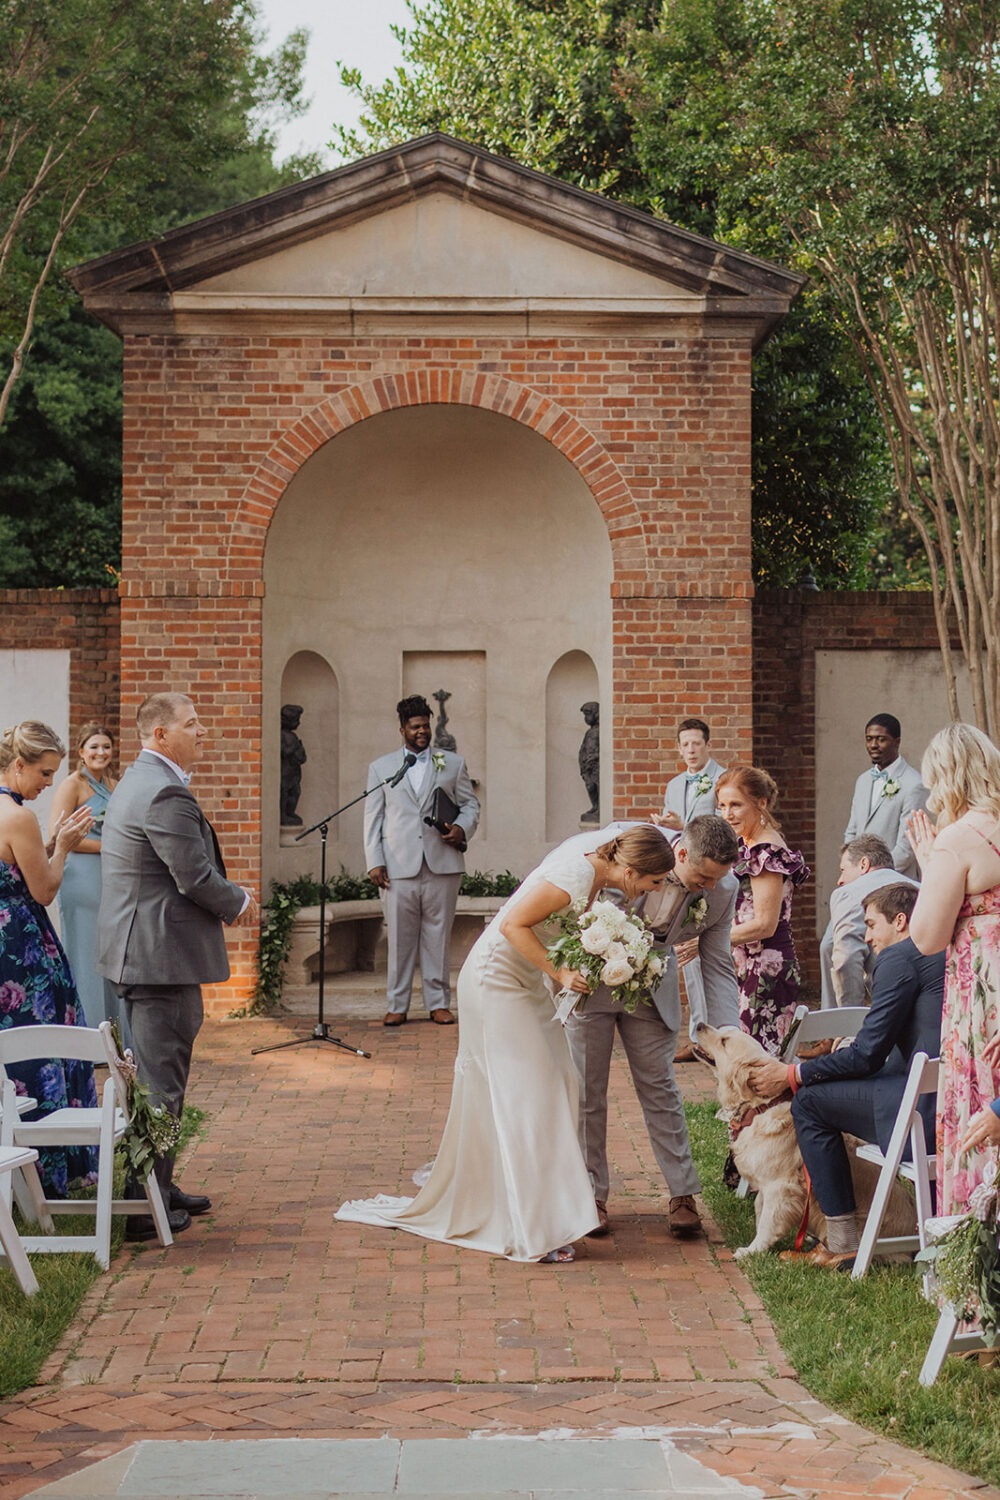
[417,868]
[164,899]
[887,793]
[697,902]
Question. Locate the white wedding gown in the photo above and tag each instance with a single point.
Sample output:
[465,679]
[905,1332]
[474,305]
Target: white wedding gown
[509,1177]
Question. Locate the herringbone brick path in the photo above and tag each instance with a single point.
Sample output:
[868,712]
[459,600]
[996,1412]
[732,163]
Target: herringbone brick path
[268,1318]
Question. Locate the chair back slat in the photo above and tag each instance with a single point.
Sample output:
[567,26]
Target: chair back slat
[30,1043]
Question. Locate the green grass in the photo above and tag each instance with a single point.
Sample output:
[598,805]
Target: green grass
[859,1345]
[31,1327]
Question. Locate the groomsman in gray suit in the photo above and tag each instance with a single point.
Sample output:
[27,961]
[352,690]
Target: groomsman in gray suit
[164,899]
[886,795]
[692,793]
[844,954]
[697,901]
[417,869]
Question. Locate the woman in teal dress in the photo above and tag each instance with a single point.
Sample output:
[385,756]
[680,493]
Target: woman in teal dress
[90,785]
[36,986]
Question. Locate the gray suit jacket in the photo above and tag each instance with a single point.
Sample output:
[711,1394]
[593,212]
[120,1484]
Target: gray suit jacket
[673,797]
[164,892]
[851,959]
[714,952]
[889,817]
[396,835]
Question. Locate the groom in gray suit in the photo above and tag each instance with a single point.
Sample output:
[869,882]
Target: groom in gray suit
[417,868]
[697,901]
[886,795]
[164,898]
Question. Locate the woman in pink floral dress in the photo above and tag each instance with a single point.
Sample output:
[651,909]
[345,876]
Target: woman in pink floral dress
[959,908]
[767,969]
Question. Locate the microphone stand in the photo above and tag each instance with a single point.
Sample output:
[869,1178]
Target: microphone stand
[321,1031]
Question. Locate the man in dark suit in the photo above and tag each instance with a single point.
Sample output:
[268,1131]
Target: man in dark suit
[859,1088]
[164,898]
[697,902]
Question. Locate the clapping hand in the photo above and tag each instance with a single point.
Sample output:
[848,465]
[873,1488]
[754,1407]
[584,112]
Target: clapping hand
[984,1128]
[666,820]
[251,912]
[70,832]
[921,835]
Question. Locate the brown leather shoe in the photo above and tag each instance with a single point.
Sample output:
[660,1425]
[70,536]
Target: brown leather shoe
[819,1256]
[394,1018]
[443,1017]
[685,1053]
[682,1216]
[603,1226]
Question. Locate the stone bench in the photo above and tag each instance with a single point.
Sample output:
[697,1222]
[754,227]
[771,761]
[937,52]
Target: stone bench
[355,936]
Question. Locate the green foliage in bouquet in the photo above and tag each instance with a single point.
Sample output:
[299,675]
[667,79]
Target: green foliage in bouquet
[609,946]
[966,1261]
[152,1132]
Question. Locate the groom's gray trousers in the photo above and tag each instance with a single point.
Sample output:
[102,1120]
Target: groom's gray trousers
[649,1047]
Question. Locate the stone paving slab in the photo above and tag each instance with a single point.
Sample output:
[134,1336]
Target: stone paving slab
[267,1320]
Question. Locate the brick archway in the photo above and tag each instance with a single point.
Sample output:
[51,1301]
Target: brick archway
[439,386]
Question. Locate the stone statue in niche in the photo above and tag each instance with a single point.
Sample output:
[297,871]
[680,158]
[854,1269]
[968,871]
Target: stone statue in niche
[442,739]
[590,761]
[293,758]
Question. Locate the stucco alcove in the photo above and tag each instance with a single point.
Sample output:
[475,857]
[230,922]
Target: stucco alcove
[431,421]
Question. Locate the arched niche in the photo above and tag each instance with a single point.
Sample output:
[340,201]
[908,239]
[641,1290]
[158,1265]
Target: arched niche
[572,682]
[442,546]
[310,681]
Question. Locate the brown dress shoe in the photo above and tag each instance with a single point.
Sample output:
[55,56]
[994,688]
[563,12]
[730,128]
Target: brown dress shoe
[819,1256]
[443,1017]
[603,1226]
[394,1018]
[685,1053]
[682,1216]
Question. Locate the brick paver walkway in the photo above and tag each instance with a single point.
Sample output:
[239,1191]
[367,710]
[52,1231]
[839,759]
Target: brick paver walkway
[267,1319]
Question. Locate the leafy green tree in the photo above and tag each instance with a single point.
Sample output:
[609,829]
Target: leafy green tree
[633,99]
[155,144]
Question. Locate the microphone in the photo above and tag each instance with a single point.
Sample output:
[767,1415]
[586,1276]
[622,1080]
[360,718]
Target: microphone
[409,759]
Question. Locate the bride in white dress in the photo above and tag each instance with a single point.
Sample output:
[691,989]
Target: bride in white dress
[509,1177]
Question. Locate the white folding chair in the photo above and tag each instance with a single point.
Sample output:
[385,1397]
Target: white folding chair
[13,1159]
[920,1169]
[102,1127]
[810,1026]
[949,1337]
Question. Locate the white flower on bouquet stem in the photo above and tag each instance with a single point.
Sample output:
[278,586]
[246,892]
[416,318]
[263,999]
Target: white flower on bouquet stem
[654,965]
[981,1201]
[616,953]
[595,938]
[610,916]
[616,971]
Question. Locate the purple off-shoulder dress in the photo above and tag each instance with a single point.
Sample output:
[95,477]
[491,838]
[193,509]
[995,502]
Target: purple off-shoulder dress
[767,971]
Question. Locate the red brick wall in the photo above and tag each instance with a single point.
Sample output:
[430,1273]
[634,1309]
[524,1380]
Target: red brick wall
[788,629]
[217,426]
[83,622]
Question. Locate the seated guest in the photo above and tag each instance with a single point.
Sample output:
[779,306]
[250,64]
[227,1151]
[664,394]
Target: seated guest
[858,1088]
[845,958]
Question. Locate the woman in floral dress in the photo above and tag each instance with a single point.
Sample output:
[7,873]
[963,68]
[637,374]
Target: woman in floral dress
[959,908]
[767,970]
[36,986]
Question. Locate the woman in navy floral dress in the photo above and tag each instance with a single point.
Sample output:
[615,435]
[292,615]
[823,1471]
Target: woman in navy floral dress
[36,985]
[767,970]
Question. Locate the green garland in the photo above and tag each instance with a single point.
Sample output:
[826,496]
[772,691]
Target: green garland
[152,1132]
[966,1260]
[288,898]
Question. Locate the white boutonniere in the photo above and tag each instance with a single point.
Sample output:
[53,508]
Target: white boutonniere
[437,760]
[703,784]
[697,911]
[890,788]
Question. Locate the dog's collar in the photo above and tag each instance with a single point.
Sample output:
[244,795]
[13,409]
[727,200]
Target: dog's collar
[743,1121]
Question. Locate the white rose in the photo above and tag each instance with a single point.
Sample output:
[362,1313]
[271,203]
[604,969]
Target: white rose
[616,971]
[595,938]
[616,953]
[654,965]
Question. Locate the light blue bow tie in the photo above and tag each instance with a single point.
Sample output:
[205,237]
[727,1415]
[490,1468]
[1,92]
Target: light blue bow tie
[696,776]
[878,775]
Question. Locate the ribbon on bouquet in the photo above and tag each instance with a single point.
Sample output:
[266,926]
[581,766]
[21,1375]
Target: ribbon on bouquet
[566,1002]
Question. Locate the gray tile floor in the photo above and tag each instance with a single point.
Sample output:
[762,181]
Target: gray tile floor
[414,1469]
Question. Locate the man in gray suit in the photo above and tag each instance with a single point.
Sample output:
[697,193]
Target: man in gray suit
[697,901]
[417,868]
[164,898]
[845,957]
[886,795]
[692,793]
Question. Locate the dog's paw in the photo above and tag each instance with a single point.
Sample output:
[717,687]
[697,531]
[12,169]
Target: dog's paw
[743,1252]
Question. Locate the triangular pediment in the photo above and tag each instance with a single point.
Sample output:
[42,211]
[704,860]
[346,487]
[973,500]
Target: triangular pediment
[432,226]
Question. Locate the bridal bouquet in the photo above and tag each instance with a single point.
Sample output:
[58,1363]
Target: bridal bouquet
[607,946]
[965,1257]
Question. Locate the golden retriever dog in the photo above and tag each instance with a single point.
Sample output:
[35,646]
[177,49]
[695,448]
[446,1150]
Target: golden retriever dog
[767,1154]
